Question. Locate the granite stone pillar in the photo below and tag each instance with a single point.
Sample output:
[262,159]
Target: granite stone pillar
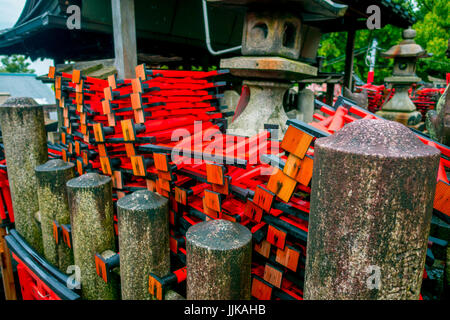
[25,142]
[218,260]
[52,177]
[371,205]
[92,221]
[143,222]
[306,105]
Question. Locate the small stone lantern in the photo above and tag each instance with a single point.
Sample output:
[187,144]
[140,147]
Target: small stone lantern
[400,108]
[278,47]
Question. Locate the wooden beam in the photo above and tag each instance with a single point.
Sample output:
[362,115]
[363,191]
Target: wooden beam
[330,94]
[6,267]
[349,58]
[124,27]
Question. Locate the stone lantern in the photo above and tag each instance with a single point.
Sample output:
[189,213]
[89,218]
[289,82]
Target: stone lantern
[278,46]
[400,108]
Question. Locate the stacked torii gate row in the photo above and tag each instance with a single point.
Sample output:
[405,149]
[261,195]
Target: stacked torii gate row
[272,208]
[205,214]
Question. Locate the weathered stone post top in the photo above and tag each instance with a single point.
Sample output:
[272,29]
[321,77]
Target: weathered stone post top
[220,235]
[142,200]
[25,142]
[144,242]
[90,180]
[218,261]
[92,223]
[12,109]
[371,204]
[52,177]
[377,138]
[17,103]
[53,166]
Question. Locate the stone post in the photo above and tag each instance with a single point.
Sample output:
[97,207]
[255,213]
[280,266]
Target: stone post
[92,221]
[143,222]
[371,205]
[25,142]
[52,177]
[218,260]
[306,105]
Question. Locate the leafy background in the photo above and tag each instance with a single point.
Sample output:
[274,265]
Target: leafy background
[433,32]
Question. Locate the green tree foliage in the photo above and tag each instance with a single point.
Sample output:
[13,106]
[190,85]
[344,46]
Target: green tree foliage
[15,64]
[333,49]
[433,32]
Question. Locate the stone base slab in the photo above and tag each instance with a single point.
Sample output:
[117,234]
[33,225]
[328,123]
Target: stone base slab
[274,68]
[406,118]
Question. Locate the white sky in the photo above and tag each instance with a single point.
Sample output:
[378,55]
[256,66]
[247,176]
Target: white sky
[10,11]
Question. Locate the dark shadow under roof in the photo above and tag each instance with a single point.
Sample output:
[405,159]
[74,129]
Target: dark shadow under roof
[170,28]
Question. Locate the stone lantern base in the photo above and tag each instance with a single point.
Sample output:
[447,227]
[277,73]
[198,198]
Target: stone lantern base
[268,81]
[264,107]
[406,118]
[400,108]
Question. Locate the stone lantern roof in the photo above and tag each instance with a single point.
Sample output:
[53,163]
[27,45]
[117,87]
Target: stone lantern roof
[407,48]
